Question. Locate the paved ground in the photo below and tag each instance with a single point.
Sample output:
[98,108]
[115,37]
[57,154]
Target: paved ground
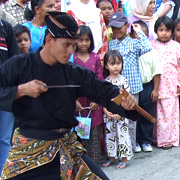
[157,165]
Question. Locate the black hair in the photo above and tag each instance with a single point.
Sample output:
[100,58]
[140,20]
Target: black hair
[176,22]
[165,20]
[30,12]
[3,1]
[19,29]
[142,24]
[85,30]
[97,4]
[113,54]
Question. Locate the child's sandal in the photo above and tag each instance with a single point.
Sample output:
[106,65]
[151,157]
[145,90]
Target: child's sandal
[122,165]
[108,163]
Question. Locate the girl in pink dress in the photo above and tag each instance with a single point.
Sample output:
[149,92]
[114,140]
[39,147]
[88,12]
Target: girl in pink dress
[90,60]
[167,126]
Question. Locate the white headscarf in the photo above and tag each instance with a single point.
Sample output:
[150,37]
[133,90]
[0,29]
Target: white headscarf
[139,10]
[90,15]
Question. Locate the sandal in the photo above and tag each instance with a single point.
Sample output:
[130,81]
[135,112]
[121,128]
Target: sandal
[166,147]
[121,165]
[108,163]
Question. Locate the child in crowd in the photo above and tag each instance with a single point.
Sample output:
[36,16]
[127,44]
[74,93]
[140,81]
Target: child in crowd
[88,14]
[167,126]
[23,38]
[151,69]
[131,50]
[177,30]
[166,8]
[107,9]
[117,138]
[90,60]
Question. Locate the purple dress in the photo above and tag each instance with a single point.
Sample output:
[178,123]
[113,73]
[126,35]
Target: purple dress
[94,64]
[93,144]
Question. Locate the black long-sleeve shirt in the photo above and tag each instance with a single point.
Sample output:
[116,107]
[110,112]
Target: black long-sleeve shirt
[55,108]
[8,43]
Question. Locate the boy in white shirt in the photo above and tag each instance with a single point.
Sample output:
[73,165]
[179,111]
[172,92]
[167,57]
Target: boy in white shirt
[151,70]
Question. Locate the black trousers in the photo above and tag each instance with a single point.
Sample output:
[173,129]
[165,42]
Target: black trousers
[51,171]
[144,127]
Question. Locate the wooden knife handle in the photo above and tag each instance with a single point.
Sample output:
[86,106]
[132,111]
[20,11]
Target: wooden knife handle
[118,101]
[144,113]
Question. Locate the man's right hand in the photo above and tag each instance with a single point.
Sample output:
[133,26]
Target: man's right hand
[32,88]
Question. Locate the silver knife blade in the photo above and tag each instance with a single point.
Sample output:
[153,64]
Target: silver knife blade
[61,86]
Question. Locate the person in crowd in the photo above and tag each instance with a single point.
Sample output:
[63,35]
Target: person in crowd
[177,30]
[166,8]
[144,10]
[158,3]
[176,13]
[117,138]
[7,17]
[167,126]
[58,5]
[107,9]
[131,50]
[151,70]
[8,48]
[90,60]
[87,14]
[127,7]
[33,86]
[16,8]
[120,6]
[23,38]
[35,14]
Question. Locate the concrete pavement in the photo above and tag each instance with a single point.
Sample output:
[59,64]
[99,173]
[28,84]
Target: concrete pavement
[157,165]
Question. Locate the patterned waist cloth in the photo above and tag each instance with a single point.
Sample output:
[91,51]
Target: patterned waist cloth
[26,154]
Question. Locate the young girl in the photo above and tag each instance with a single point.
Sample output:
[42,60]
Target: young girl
[88,59]
[177,30]
[167,127]
[117,138]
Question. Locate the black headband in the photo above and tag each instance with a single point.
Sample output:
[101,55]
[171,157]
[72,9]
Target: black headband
[61,25]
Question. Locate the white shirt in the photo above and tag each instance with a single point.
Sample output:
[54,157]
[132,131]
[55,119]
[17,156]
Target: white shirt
[149,66]
[162,6]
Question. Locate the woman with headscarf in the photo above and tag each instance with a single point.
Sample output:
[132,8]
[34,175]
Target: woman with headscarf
[86,13]
[144,10]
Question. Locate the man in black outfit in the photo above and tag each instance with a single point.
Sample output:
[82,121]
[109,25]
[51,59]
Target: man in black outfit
[41,89]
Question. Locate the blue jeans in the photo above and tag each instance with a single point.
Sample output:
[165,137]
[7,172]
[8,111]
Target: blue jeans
[6,126]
